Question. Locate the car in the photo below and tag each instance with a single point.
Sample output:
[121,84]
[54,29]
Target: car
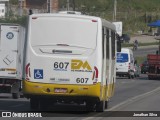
[125,63]
[144,67]
[125,38]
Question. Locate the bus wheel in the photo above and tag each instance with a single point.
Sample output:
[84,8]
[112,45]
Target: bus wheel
[90,106]
[129,76]
[106,104]
[43,105]
[100,106]
[15,95]
[34,103]
[132,76]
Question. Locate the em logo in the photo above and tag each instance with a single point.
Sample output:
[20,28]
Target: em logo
[78,64]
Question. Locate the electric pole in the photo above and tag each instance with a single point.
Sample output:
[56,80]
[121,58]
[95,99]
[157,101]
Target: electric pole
[115,10]
[20,8]
[68,5]
[74,5]
[49,4]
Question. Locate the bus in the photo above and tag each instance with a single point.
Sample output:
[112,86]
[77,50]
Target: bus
[69,58]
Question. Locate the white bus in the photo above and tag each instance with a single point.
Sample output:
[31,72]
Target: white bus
[69,58]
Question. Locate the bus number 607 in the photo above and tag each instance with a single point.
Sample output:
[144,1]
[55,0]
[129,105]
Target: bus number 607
[82,80]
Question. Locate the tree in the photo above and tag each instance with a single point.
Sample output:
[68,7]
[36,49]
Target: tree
[14,2]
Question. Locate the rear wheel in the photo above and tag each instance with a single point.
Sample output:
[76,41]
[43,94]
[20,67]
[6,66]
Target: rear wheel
[90,106]
[100,106]
[43,105]
[129,76]
[34,103]
[15,95]
[106,104]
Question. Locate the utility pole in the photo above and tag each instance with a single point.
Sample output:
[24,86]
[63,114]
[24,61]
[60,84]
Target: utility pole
[115,10]
[68,5]
[74,5]
[49,8]
[20,7]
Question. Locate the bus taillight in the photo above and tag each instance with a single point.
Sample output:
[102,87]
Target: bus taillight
[28,73]
[95,75]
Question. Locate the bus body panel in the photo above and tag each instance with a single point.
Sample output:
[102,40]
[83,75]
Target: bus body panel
[64,52]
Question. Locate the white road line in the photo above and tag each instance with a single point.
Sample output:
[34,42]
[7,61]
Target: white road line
[128,101]
[134,99]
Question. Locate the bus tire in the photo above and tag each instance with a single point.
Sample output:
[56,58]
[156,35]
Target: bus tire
[100,106]
[34,103]
[129,76]
[15,95]
[106,104]
[132,76]
[90,106]
[43,105]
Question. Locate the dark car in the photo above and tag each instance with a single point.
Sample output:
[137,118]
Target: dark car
[125,38]
[144,67]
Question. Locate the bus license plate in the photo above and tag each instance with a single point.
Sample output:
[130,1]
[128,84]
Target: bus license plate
[60,90]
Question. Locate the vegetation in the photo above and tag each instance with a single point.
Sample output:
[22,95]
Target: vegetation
[19,20]
[140,44]
[14,2]
[135,14]
[140,59]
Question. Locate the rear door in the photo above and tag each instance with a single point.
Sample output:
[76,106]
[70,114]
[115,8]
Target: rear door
[122,62]
[8,53]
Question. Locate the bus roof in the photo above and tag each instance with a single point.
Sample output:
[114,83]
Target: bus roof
[103,21]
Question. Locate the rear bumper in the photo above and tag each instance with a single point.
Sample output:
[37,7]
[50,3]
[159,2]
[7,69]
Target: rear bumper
[31,89]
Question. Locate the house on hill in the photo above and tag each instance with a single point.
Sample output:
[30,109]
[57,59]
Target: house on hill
[41,6]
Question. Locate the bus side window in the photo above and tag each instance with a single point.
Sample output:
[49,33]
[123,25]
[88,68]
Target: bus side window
[103,35]
[107,44]
[113,44]
[118,43]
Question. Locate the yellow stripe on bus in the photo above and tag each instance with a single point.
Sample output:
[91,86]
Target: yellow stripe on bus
[72,90]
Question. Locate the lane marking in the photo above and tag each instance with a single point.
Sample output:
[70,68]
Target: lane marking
[127,102]
[133,99]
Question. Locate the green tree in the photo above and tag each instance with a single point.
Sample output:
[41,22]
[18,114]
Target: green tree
[14,2]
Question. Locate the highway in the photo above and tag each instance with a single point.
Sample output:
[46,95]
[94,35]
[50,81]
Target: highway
[144,51]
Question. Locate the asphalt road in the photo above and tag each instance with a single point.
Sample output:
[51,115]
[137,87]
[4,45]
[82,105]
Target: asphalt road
[144,51]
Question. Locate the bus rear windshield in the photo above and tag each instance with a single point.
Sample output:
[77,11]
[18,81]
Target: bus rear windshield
[122,57]
[62,30]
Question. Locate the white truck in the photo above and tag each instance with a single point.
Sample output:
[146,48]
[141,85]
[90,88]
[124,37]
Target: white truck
[12,38]
[125,63]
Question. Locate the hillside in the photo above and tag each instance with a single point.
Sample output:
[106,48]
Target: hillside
[135,14]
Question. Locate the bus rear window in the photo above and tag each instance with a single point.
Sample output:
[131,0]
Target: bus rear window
[63,30]
[122,57]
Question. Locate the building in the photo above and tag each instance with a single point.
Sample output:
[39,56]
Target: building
[3,8]
[41,6]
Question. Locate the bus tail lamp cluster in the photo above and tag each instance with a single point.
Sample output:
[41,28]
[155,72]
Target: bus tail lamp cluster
[95,75]
[28,73]
[94,20]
